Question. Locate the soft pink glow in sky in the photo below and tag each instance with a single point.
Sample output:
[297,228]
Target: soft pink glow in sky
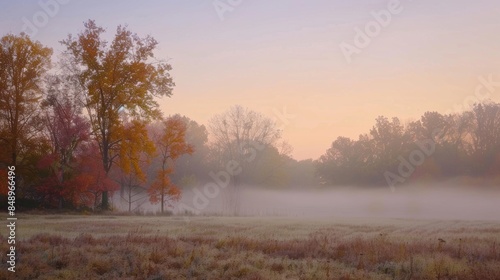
[272,55]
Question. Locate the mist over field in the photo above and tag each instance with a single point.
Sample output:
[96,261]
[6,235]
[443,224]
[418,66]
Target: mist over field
[413,202]
[429,201]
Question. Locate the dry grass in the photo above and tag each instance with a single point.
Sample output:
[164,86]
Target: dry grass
[107,247]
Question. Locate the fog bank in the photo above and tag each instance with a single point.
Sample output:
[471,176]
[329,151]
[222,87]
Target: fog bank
[415,202]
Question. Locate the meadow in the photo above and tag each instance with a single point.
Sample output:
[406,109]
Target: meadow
[173,247]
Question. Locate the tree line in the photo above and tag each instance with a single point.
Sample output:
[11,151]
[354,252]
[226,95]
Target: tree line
[435,147]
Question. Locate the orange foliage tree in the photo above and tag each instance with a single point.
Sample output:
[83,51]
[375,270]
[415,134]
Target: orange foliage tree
[136,151]
[122,77]
[23,64]
[171,144]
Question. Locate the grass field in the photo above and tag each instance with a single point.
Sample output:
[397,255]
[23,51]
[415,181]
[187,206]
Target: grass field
[154,247]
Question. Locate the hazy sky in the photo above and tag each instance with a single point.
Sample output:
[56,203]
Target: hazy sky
[285,55]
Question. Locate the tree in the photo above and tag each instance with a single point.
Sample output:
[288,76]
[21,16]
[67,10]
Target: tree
[269,168]
[239,127]
[136,151]
[338,164]
[191,169]
[240,135]
[433,123]
[171,144]
[387,139]
[123,78]
[67,130]
[23,63]
[91,177]
[301,173]
[484,131]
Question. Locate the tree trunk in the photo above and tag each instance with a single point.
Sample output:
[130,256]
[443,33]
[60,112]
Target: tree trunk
[14,158]
[105,201]
[107,166]
[129,198]
[162,201]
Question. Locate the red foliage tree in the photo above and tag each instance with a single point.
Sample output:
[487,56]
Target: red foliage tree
[73,173]
[67,130]
[91,178]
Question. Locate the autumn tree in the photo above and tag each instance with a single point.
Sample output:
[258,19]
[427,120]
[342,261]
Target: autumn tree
[136,151]
[23,64]
[170,144]
[123,77]
[67,129]
[191,169]
[91,177]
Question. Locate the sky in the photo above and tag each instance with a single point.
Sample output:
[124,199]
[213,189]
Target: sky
[303,63]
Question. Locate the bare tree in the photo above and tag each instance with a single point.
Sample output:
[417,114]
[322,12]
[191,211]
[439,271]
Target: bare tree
[238,135]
